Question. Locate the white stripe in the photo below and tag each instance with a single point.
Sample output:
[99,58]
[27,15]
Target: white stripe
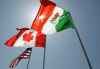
[49,27]
[24,56]
[19,42]
[27,53]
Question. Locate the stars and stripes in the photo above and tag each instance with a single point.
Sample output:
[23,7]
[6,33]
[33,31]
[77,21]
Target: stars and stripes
[25,55]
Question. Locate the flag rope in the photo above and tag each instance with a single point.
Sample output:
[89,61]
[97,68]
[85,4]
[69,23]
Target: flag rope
[83,48]
[29,60]
[44,56]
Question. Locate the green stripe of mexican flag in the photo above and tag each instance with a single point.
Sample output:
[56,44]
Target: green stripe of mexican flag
[58,21]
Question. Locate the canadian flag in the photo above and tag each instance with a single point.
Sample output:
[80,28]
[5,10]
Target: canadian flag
[27,38]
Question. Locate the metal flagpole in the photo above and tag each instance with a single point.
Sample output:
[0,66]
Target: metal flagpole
[44,56]
[83,48]
[29,60]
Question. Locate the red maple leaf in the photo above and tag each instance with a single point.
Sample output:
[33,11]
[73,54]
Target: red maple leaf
[27,37]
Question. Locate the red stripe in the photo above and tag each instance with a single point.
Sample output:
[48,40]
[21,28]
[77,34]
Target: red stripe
[45,11]
[14,63]
[40,40]
[11,41]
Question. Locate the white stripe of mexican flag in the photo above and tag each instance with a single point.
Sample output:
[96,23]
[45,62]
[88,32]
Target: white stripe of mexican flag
[58,21]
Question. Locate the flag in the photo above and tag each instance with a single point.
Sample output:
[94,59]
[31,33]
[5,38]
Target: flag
[27,38]
[51,19]
[24,55]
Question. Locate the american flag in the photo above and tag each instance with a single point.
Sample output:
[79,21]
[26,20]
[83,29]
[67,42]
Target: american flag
[24,55]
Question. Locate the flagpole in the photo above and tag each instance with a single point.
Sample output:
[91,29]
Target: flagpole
[29,60]
[44,56]
[83,48]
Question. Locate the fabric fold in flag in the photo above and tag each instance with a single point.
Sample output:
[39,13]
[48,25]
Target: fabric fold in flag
[27,38]
[51,19]
[24,55]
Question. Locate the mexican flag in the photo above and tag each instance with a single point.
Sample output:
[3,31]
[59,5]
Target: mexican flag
[51,19]
[27,38]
